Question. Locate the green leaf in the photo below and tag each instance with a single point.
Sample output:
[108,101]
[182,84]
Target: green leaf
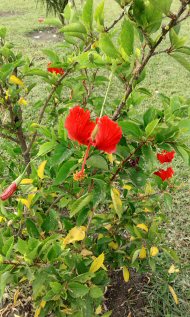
[175,40]
[4,279]
[99,15]
[64,171]
[135,255]
[130,128]
[172,254]
[32,229]
[56,287]
[76,27]
[80,203]
[22,246]
[181,60]
[184,50]
[50,222]
[96,292]
[87,14]
[107,46]
[83,278]
[97,161]
[46,148]
[151,127]
[77,289]
[37,72]
[8,246]
[53,57]
[127,37]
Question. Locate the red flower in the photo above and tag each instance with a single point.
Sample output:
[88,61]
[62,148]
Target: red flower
[79,125]
[9,191]
[108,136]
[55,70]
[105,134]
[165,174]
[165,157]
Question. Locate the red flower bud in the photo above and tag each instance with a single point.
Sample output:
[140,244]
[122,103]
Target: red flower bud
[9,191]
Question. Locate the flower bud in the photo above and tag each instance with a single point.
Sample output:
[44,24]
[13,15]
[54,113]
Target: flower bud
[9,191]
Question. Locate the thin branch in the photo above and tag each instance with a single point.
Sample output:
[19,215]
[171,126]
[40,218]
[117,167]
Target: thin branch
[126,160]
[138,70]
[107,29]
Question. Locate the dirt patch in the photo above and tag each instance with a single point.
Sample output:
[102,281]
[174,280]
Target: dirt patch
[126,299]
[49,34]
[5,14]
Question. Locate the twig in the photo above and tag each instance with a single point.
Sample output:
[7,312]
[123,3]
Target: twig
[126,160]
[107,29]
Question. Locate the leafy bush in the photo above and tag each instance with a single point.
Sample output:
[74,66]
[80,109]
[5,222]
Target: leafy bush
[82,209]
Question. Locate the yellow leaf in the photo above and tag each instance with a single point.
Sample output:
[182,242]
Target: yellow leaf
[173,294]
[110,158]
[173,269]
[142,254]
[149,190]
[16,294]
[100,236]
[43,303]
[86,252]
[22,102]
[132,238]
[37,312]
[98,310]
[24,201]
[154,251]
[26,181]
[15,80]
[147,210]
[117,203]
[128,187]
[2,219]
[108,227]
[41,169]
[97,263]
[113,245]
[75,234]
[126,274]
[142,226]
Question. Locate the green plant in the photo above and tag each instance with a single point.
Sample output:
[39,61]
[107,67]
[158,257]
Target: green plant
[63,234]
[55,6]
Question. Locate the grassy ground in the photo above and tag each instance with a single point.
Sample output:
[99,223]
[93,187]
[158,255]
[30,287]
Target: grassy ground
[163,75]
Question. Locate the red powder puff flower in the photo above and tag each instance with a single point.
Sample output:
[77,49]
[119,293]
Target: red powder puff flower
[108,136]
[165,174]
[165,157]
[9,191]
[55,70]
[79,125]
[105,134]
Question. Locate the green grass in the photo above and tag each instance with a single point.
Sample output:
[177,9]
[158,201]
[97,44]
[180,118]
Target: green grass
[163,75]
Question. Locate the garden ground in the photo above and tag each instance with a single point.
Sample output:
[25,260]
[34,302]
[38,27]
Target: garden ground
[163,75]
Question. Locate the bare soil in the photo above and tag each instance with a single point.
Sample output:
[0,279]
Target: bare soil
[5,14]
[49,34]
[126,299]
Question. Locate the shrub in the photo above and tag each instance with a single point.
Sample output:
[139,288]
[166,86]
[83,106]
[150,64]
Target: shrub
[82,208]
